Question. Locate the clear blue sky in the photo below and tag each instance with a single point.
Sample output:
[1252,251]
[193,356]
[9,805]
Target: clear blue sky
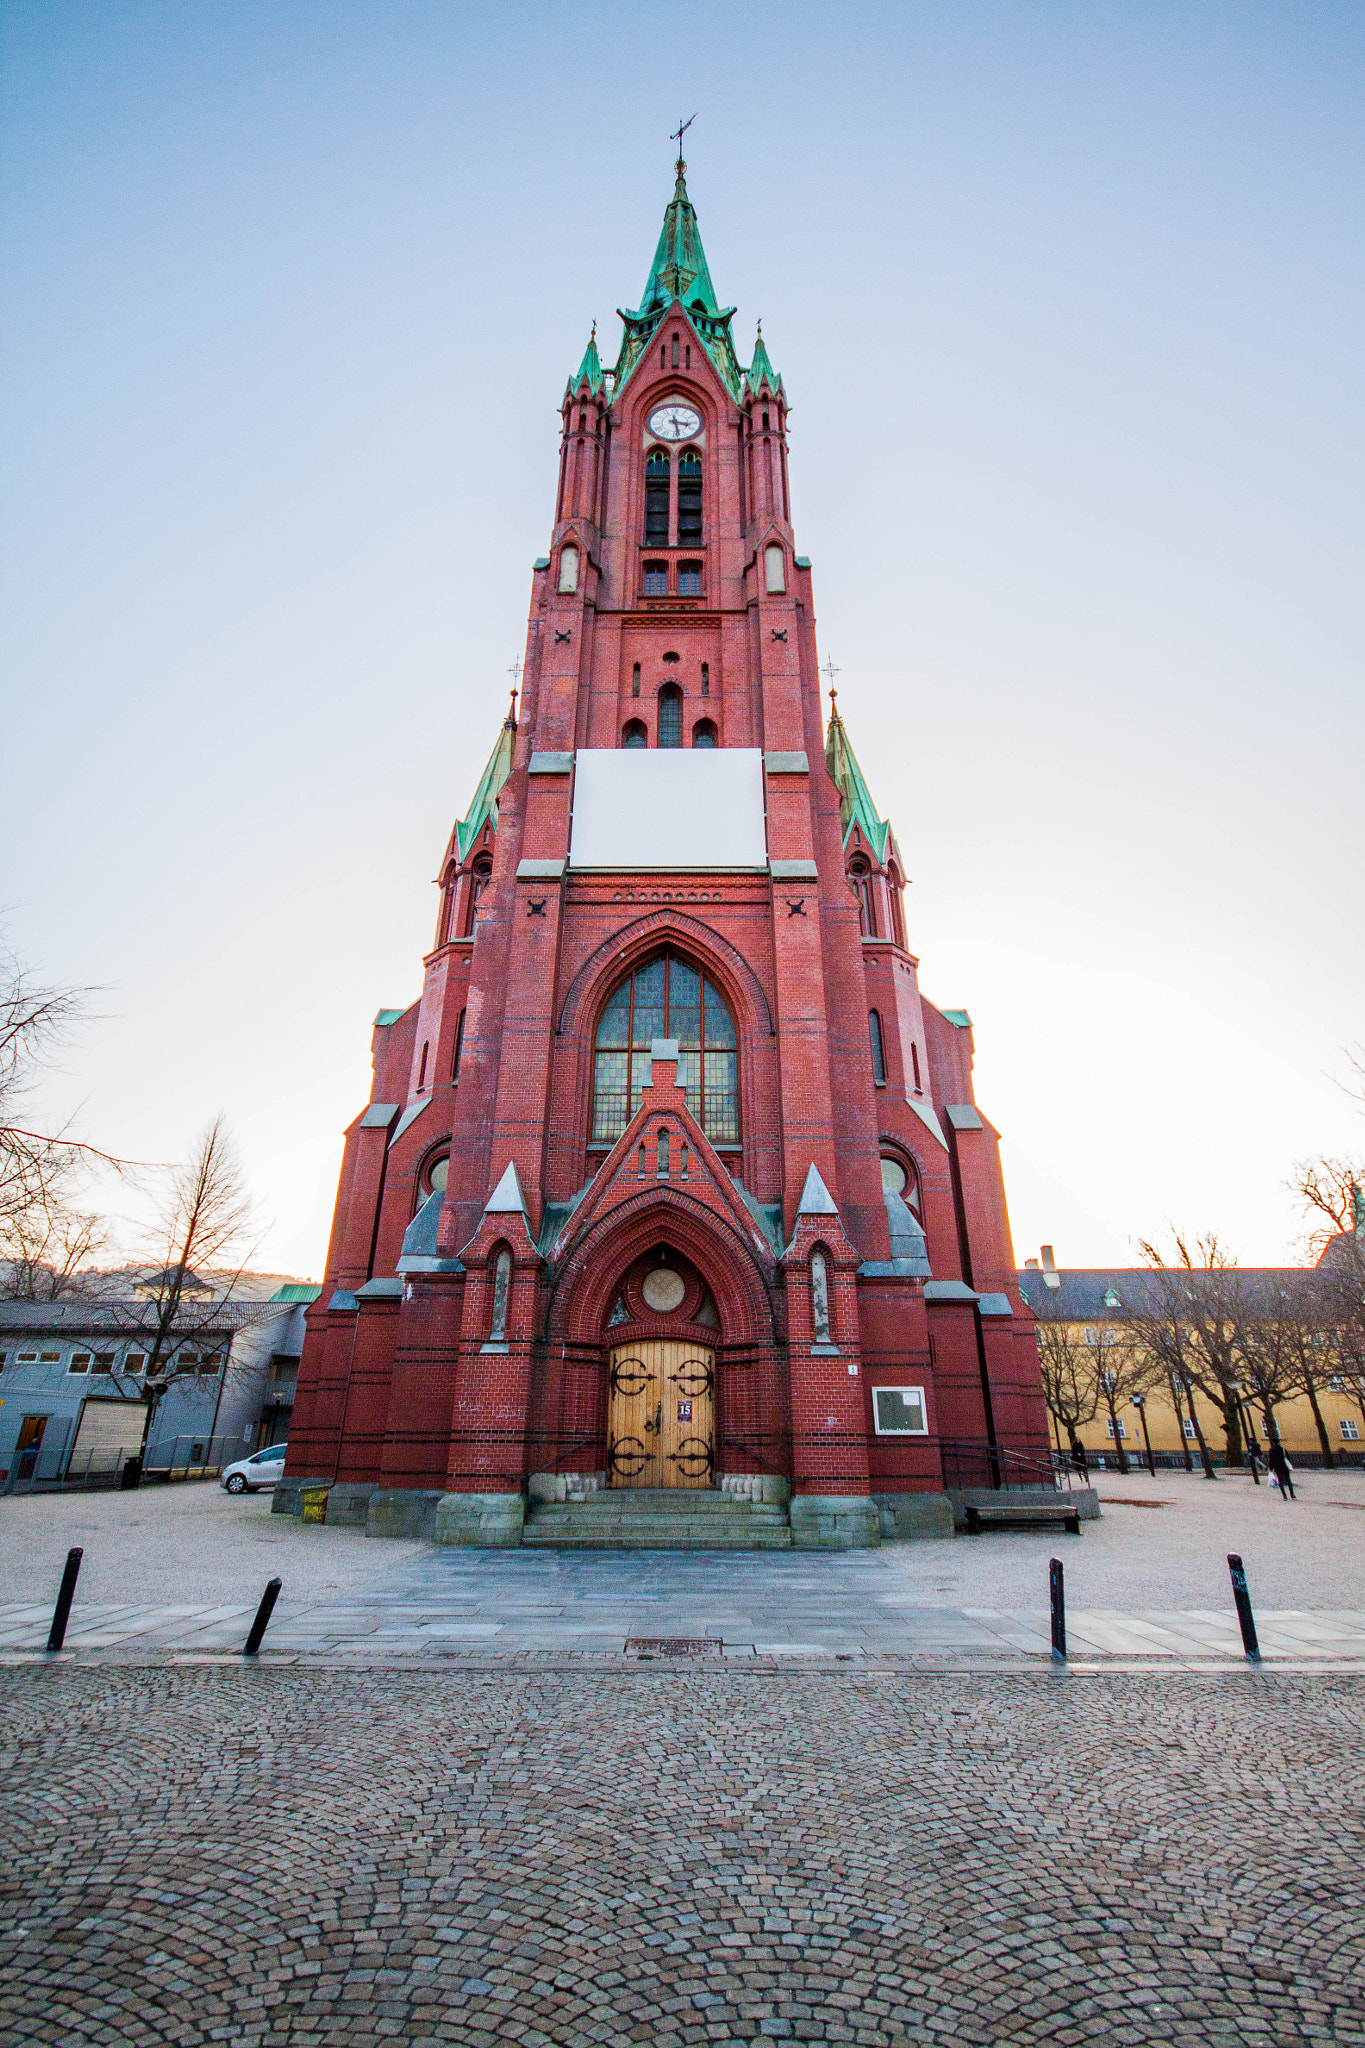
[1068,299]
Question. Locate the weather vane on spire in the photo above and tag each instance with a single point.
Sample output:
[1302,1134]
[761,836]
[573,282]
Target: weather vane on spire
[677,136]
[830,673]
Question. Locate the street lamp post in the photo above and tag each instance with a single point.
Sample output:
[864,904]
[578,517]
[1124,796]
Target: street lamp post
[1141,1407]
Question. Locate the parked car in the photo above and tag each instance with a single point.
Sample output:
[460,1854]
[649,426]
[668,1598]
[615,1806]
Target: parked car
[249,1475]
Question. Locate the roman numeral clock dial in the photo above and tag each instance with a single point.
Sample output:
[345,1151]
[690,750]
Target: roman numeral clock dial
[674,422]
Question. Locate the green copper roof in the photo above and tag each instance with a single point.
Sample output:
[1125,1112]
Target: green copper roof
[761,367]
[679,272]
[855,800]
[679,268]
[590,367]
[485,804]
[387,1017]
[296,1290]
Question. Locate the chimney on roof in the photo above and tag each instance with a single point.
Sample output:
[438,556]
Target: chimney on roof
[1030,1265]
[1051,1277]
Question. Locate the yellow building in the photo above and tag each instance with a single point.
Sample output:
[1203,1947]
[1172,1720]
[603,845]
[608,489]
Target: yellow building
[1086,1329]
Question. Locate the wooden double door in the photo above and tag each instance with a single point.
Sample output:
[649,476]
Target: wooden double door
[661,1418]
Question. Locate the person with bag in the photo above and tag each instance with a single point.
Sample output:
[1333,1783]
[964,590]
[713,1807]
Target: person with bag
[1278,1461]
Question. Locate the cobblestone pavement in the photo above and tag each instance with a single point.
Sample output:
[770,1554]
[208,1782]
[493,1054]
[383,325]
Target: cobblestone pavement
[682,1854]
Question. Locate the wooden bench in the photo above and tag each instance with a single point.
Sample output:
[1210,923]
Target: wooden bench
[1021,1517]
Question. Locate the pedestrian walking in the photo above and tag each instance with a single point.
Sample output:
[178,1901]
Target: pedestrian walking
[1279,1464]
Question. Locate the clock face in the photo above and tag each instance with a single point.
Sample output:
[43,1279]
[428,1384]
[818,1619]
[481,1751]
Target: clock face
[675,422]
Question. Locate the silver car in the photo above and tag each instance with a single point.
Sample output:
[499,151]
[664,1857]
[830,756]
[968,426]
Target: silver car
[249,1475]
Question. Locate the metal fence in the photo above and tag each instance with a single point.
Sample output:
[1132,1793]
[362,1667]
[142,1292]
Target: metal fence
[170,1459]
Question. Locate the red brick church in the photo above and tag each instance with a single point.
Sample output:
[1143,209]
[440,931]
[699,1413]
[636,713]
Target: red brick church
[672,1218]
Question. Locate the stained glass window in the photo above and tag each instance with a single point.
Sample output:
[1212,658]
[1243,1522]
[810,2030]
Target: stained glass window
[666,998]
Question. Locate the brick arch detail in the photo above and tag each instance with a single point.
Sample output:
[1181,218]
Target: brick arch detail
[626,949]
[592,1272]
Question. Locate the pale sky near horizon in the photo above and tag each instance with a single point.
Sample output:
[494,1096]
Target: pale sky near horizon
[1068,301]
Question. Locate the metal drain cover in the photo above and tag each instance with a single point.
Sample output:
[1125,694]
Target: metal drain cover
[673,1646]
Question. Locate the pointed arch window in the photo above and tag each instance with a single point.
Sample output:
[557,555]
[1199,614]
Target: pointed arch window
[819,1298]
[502,1287]
[657,469]
[874,1030]
[860,879]
[670,716]
[666,998]
[480,876]
[703,733]
[689,498]
[634,734]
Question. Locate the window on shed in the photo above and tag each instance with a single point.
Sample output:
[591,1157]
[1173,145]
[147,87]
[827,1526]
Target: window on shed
[79,1362]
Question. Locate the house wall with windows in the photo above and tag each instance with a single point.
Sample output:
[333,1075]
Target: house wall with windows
[1096,1304]
[72,1374]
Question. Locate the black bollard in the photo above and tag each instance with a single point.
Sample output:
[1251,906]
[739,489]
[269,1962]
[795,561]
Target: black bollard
[263,1614]
[1058,1591]
[1245,1618]
[61,1613]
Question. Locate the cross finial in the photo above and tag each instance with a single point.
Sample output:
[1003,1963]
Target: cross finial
[830,673]
[677,136]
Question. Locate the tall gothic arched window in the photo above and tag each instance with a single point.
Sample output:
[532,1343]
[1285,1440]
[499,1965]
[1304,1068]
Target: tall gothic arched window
[860,877]
[689,498]
[666,998]
[480,876]
[670,716]
[656,498]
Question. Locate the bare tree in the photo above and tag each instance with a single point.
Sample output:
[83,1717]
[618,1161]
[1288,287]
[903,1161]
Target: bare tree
[1330,1192]
[43,1248]
[1271,1343]
[205,1216]
[1189,1323]
[1071,1385]
[44,1233]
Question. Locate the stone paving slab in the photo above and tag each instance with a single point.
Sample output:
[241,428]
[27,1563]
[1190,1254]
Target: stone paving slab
[301,1856]
[426,1630]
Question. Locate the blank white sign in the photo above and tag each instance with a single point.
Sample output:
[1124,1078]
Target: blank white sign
[668,807]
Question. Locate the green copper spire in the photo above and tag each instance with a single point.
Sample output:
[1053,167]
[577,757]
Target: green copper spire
[679,272]
[761,366]
[590,367]
[485,804]
[855,799]
[679,268]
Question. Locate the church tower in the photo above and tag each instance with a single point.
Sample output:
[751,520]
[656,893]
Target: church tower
[672,1200]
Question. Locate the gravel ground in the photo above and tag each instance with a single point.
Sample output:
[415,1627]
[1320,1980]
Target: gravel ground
[295,1858]
[193,1543]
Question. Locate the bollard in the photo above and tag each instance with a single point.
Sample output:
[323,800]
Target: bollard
[1057,1588]
[263,1614]
[61,1613]
[1245,1618]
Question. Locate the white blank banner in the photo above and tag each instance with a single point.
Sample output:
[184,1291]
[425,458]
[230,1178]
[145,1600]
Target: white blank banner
[668,807]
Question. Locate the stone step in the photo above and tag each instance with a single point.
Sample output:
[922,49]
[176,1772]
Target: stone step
[653,1541]
[658,1518]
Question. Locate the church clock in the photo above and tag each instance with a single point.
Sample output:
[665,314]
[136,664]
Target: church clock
[674,422]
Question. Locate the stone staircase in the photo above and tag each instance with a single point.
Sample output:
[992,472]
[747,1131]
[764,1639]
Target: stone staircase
[664,1518]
